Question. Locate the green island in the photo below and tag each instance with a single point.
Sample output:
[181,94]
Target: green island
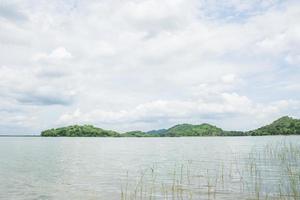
[282,126]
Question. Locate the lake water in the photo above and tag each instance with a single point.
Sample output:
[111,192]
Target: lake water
[97,168]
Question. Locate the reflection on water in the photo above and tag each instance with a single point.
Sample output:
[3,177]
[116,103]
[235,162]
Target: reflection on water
[116,168]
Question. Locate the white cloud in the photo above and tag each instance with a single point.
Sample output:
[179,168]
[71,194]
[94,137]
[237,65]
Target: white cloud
[229,78]
[57,54]
[150,62]
[171,112]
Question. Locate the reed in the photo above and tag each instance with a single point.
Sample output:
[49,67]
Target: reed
[272,172]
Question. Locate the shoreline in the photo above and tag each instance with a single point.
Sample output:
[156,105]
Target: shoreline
[145,137]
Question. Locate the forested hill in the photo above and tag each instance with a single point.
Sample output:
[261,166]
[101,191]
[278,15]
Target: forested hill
[79,131]
[282,126]
[193,130]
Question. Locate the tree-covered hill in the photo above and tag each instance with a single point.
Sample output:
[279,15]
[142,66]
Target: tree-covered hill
[135,134]
[282,126]
[79,131]
[193,130]
[158,132]
[183,130]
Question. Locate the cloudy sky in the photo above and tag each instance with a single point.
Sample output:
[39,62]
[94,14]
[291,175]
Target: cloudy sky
[147,64]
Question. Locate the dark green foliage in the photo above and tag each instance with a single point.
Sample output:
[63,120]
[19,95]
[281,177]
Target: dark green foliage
[134,134]
[139,134]
[79,131]
[283,126]
[234,133]
[159,132]
[193,130]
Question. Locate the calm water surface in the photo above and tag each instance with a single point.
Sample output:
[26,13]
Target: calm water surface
[94,168]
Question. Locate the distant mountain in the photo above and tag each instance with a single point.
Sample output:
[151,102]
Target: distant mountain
[180,130]
[193,130]
[79,131]
[156,132]
[134,134]
[153,133]
[282,126]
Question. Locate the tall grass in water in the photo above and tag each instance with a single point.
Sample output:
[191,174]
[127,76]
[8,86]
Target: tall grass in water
[272,172]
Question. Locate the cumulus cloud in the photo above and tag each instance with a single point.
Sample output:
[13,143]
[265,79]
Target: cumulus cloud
[25,87]
[148,64]
[57,54]
[228,78]
[171,112]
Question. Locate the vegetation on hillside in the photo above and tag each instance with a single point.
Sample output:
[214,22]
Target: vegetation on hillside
[193,130]
[158,132]
[79,131]
[283,126]
[137,134]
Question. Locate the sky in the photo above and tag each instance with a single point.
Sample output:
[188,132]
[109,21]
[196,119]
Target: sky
[148,64]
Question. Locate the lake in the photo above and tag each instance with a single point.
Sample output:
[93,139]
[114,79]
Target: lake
[133,168]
